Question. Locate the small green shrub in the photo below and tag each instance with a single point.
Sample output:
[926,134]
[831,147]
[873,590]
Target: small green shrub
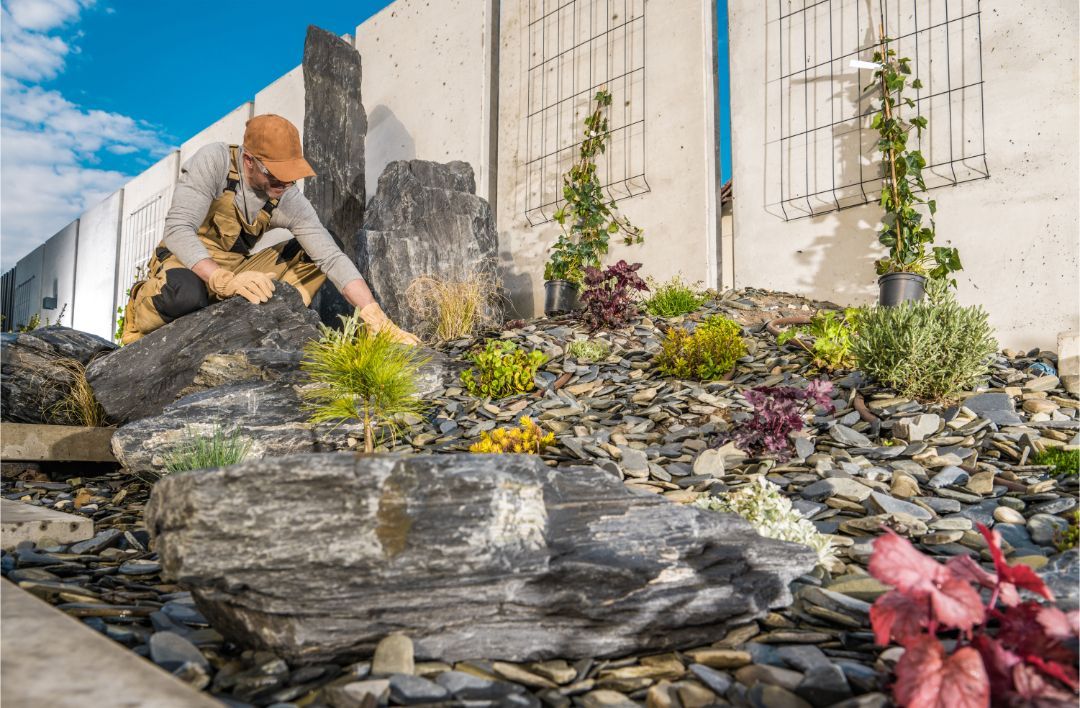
[927,350]
[589,350]
[673,298]
[1064,462]
[1071,537]
[772,516]
[198,451]
[708,354]
[832,334]
[358,375]
[501,369]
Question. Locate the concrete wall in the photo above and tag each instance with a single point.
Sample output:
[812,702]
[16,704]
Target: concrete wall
[425,85]
[146,201]
[28,287]
[676,97]
[229,129]
[1016,231]
[58,274]
[95,272]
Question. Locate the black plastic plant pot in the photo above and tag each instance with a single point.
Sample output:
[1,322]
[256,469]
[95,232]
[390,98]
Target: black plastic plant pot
[897,288]
[560,297]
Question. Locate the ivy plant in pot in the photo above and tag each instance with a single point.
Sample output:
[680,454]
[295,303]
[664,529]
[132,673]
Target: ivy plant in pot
[907,228]
[589,217]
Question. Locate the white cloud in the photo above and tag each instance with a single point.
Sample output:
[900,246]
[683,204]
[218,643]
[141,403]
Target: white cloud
[50,146]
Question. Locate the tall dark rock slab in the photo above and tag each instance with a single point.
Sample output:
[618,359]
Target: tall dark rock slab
[335,127]
[141,379]
[495,556]
[425,219]
[35,375]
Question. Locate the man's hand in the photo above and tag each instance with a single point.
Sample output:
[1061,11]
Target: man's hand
[377,320]
[254,286]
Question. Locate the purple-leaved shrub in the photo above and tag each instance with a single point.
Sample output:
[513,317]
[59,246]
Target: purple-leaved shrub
[608,300]
[778,412]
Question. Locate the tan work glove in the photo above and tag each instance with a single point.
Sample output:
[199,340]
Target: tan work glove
[256,287]
[377,320]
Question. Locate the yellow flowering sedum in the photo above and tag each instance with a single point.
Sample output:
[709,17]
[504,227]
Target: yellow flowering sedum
[527,439]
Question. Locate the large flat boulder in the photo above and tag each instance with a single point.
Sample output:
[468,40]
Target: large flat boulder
[255,392]
[425,219]
[335,128]
[494,556]
[142,378]
[36,371]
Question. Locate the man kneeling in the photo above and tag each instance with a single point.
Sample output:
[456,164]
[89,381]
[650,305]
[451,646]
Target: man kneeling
[226,198]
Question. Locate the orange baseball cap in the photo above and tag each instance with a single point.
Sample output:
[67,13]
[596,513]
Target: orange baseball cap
[276,143]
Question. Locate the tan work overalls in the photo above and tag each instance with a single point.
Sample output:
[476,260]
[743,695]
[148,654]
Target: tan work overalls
[171,290]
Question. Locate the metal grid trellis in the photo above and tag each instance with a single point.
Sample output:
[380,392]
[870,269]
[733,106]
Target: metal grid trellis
[143,230]
[822,146]
[577,47]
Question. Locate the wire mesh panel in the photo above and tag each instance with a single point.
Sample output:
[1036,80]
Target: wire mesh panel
[576,48]
[822,154]
[143,230]
[25,304]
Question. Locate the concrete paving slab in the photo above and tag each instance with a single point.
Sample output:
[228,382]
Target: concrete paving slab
[50,659]
[55,443]
[46,527]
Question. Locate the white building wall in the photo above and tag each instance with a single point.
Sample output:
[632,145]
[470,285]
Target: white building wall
[229,129]
[146,201]
[284,97]
[677,100]
[95,271]
[58,274]
[425,85]
[1016,231]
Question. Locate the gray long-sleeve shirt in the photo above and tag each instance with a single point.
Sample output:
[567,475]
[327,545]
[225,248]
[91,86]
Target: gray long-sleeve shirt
[203,179]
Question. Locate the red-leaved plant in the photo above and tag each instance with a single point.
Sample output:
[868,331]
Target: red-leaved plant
[778,412]
[1006,653]
[608,300]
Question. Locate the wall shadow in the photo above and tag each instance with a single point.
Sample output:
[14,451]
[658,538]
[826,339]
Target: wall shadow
[387,140]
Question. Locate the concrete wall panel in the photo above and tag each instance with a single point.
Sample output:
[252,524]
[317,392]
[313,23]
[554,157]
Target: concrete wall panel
[146,201]
[425,85]
[284,97]
[1016,231]
[28,278]
[95,271]
[679,213]
[229,129]
[58,274]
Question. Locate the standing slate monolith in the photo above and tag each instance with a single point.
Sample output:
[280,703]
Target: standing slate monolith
[319,556]
[335,127]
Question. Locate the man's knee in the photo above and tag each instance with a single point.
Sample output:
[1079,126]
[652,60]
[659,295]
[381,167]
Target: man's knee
[183,293]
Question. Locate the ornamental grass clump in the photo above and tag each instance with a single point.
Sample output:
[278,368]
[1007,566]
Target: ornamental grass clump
[78,405]
[588,350]
[608,300]
[501,369]
[778,412]
[926,350]
[528,439]
[772,516]
[359,375]
[708,354]
[454,308]
[673,298]
[199,451]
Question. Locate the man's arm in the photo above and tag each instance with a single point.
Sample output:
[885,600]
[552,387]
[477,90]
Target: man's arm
[201,179]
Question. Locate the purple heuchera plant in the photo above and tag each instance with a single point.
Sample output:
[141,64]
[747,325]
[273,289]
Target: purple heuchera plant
[608,298]
[778,412]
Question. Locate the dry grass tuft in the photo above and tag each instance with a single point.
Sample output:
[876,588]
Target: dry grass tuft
[78,406]
[454,309]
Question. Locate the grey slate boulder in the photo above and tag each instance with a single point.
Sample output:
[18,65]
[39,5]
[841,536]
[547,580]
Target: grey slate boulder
[425,219]
[500,556]
[335,128]
[33,374]
[140,379]
[255,392]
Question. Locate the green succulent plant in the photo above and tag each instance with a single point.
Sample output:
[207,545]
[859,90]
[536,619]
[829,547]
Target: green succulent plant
[502,369]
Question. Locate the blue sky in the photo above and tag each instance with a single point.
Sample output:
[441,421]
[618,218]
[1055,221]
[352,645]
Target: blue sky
[95,91]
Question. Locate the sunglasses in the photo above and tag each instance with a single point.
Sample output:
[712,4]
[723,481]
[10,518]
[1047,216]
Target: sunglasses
[274,181]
